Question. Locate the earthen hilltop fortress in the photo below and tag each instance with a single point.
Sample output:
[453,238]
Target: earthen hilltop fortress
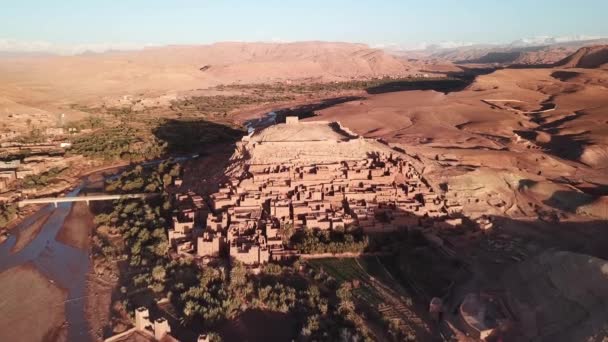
[317,175]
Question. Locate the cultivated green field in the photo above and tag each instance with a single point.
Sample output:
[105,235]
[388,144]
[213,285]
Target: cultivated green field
[357,269]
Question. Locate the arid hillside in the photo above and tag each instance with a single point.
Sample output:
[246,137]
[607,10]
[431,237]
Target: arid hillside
[175,68]
[511,54]
[587,57]
[36,89]
[516,139]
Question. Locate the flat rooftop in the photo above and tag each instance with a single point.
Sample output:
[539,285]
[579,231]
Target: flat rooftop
[303,131]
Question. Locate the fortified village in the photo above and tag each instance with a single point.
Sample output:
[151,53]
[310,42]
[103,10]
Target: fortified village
[320,176]
[317,175]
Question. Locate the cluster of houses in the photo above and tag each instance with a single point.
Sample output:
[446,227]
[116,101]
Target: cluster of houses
[21,167]
[246,218]
[19,160]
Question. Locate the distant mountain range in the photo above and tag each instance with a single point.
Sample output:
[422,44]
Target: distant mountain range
[159,70]
[531,51]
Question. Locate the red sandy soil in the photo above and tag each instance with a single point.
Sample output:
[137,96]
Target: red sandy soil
[33,315]
[586,57]
[98,305]
[471,144]
[41,87]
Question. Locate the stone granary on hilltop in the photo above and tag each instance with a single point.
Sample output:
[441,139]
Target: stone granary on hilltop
[316,175]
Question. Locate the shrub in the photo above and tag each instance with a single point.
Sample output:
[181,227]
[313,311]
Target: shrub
[7,214]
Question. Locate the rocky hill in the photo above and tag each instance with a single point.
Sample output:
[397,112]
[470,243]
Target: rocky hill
[170,69]
[552,301]
[263,61]
[589,57]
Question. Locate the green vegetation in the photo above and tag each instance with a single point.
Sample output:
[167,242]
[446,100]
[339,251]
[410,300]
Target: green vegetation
[142,225]
[134,234]
[43,179]
[418,264]
[327,87]
[34,136]
[85,108]
[198,295]
[119,112]
[335,241]
[360,276]
[149,139]
[7,214]
[221,105]
[346,270]
[118,143]
[140,180]
[322,315]
[91,122]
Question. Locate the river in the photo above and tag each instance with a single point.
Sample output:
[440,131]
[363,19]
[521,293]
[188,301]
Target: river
[65,266]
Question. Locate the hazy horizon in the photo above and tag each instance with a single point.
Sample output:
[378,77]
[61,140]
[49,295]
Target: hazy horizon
[66,26]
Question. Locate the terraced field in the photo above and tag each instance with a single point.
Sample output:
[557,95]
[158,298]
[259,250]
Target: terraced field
[378,289]
[348,270]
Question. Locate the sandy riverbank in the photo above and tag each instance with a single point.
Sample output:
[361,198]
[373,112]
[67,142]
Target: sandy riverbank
[26,235]
[99,288]
[76,230]
[78,226]
[32,307]
[98,306]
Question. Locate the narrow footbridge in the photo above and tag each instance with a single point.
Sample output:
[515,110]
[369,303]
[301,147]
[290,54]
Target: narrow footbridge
[57,200]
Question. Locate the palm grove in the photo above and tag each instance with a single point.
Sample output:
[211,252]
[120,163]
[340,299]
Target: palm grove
[134,234]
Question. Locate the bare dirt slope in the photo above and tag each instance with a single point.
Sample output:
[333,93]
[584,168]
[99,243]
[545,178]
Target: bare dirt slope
[555,305]
[586,57]
[174,68]
[515,140]
[34,90]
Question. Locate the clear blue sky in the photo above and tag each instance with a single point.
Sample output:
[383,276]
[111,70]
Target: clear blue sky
[404,22]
